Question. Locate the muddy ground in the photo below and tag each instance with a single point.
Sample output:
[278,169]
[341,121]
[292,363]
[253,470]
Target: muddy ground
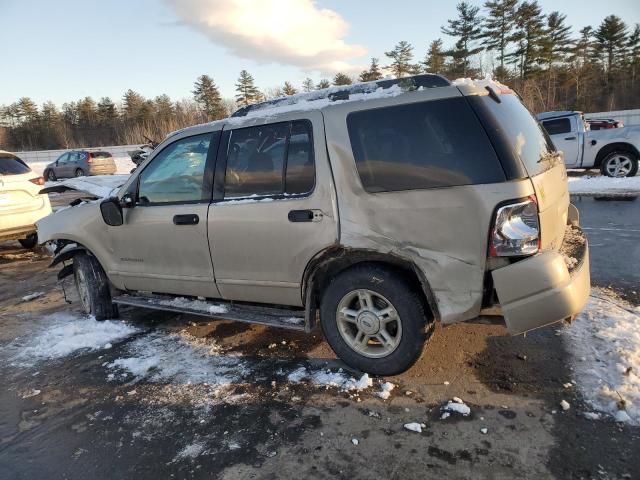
[85,424]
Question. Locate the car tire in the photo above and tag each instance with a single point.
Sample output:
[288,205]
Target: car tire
[50,175]
[79,172]
[618,164]
[365,292]
[93,287]
[30,242]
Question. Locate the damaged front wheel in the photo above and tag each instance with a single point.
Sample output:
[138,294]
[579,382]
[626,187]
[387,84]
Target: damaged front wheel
[93,287]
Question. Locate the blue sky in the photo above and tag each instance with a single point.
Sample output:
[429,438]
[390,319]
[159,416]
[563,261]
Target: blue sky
[67,49]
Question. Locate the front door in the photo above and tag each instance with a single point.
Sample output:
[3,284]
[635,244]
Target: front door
[162,245]
[62,165]
[273,210]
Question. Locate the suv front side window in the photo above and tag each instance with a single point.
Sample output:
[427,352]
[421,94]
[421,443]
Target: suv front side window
[274,159]
[177,173]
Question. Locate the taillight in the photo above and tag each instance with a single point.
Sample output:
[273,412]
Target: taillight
[90,157]
[37,180]
[516,229]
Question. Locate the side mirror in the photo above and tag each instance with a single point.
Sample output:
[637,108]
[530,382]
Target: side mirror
[111,212]
[56,163]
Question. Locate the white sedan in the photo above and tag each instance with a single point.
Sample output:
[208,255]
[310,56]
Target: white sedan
[21,204]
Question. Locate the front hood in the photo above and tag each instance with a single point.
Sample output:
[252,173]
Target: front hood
[99,186]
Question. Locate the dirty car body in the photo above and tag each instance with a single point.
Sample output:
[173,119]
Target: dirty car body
[384,206]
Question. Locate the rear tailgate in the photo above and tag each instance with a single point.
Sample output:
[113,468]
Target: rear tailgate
[18,194]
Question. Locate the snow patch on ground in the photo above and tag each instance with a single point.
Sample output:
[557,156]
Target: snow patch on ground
[67,333]
[178,358]
[385,390]
[598,184]
[327,378]
[190,452]
[604,342]
[455,406]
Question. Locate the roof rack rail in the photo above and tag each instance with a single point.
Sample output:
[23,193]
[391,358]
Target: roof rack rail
[427,80]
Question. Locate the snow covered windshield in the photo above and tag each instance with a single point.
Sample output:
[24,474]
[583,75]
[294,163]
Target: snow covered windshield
[522,132]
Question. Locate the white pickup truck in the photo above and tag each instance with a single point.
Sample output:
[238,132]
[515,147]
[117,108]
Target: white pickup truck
[615,151]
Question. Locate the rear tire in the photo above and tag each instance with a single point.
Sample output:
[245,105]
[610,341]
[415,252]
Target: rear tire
[620,164]
[93,287]
[30,242]
[51,176]
[374,320]
[79,172]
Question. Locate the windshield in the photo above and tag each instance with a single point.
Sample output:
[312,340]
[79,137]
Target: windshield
[516,127]
[10,165]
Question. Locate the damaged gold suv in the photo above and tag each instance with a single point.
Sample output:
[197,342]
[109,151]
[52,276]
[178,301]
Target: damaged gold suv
[375,209]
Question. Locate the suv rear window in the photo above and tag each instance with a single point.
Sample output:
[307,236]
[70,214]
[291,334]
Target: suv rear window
[517,134]
[432,144]
[10,165]
[99,154]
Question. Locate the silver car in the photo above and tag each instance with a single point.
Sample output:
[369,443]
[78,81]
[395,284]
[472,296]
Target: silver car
[374,210]
[80,163]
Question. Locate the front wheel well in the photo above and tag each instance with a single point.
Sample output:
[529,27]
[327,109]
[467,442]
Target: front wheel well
[614,147]
[331,263]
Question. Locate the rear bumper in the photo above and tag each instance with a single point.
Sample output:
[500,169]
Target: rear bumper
[541,290]
[102,170]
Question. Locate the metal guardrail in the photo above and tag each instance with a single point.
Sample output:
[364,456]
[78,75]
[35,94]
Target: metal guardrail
[51,155]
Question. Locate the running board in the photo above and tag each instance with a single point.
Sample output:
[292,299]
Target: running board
[220,310]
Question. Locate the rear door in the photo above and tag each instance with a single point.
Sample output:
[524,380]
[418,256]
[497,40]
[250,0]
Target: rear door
[273,210]
[162,245]
[564,135]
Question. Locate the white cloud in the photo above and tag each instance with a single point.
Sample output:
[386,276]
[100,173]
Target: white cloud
[289,32]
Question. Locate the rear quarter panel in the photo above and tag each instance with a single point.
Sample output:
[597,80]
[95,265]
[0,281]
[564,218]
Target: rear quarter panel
[443,231]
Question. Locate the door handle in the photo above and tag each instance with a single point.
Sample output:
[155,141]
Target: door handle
[305,215]
[570,138]
[189,219]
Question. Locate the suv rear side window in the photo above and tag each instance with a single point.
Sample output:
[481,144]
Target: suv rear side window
[274,159]
[422,145]
[558,126]
[10,165]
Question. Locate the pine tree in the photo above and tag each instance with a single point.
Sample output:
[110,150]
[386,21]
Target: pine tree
[207,96]
[611,37]
[401,56]
[307,85]
[132,105]
[87,113]
[322,84]
[467,29]
[27,110]
[373,73]
[247,92]
[556,42]
[528,37]
[106,111]
[434,61]
[342,79]
[164,107]
[288,89]
[497,30]
[633,54]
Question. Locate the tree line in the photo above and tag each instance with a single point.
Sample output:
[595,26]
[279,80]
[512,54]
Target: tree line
[515,42]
